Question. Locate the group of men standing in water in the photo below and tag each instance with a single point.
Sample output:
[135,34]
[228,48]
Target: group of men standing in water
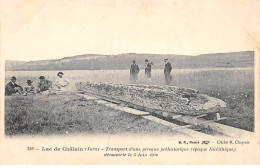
[134,70]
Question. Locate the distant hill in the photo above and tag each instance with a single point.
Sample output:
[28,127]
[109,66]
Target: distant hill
[12,64]
[123,61]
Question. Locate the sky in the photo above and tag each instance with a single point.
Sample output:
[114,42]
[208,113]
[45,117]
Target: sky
[52,29]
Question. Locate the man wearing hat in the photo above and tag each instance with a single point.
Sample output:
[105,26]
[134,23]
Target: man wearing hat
[134,70]
[12,88]
[29,89]
[44,85]
[61,83]
[148,70]
[167,71]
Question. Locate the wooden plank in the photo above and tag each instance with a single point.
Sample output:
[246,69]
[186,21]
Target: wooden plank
[101,101]
[197,120]
[68,91]
[183,129]
[88,97]
[160,121]
[133,111]
[218,118]
[203,115]
[176,116]
[223,130]
[193,120]
[228,130]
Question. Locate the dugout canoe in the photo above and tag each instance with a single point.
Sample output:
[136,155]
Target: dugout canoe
[163,100]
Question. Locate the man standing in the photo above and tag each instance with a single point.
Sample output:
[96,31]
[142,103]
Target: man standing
[134,70]
[44,85]
[12,88]
[61,83]
[167,71]
[148,69]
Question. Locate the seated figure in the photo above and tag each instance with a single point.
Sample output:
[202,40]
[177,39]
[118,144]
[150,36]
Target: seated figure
[13,88]
[29,89]
[44,85]
[61,83]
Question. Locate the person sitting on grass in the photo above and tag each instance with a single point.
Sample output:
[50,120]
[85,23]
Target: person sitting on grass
[12,88]
[29,89]
[61,83]
[44,85]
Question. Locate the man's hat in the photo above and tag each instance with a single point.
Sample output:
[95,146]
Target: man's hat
[41,77]
[29,81]
[59,73]
[13,78]
[165,59]
[146,60]
[133,60]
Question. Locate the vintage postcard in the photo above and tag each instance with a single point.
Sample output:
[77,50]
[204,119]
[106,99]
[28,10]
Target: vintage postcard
[129,82]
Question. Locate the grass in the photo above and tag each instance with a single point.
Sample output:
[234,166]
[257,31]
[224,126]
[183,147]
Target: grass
[234,86]
[71,114]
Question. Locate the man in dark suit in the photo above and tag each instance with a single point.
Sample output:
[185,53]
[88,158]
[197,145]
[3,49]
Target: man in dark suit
[44,85]
[134,70]
[148,70]
[167,71]
[12,88]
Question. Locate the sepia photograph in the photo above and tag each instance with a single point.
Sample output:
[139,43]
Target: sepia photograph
[162,75]
[132,93]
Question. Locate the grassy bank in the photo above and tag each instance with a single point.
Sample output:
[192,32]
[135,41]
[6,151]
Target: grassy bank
[71,114]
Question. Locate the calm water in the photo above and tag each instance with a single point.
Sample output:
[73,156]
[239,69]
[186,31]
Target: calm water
[242,78]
